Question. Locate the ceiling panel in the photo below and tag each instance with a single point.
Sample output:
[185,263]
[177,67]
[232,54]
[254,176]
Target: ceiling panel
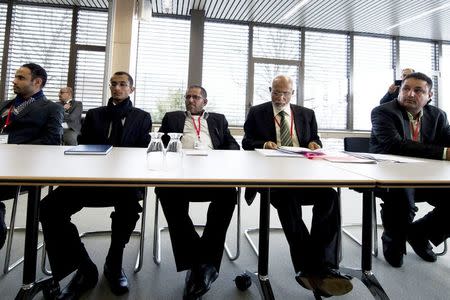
[81,3]
[428,19]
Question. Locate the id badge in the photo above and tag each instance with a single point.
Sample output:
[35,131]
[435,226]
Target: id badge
[4,138]
[198,144]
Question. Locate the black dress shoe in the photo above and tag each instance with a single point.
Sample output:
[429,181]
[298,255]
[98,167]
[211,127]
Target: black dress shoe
[118,281]
[422,247]
[392,251]
[333,283]
[206,275]
[78,285]
[190,286]
[3,229]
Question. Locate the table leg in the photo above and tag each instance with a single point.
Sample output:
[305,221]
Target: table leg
[30,287]
[365,274]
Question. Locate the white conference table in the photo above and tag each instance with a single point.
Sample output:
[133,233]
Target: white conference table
[38,166]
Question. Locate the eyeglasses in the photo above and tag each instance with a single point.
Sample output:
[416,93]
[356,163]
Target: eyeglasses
[120,84]
[279,94]
[195,97]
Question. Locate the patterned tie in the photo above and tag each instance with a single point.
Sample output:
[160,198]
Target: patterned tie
[285,136]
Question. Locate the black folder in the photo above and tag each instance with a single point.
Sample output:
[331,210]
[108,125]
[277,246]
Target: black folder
[89,150]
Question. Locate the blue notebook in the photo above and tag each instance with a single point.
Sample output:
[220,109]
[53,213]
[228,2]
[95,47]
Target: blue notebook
[89,150]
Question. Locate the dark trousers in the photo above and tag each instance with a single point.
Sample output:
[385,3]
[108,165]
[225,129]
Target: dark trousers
[9,192]
[189,248]
[399,209]
[318,249]
[64,247]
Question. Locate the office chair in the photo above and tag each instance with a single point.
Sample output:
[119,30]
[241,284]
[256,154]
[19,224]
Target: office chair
[7,267]
[158,230]
[140,234]
[361,144]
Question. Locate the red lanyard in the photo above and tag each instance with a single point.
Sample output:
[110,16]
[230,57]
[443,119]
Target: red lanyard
[197,129]
[415,131]
[292,122]
[8,118]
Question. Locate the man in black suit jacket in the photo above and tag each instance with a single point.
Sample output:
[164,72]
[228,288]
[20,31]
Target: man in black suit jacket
[201,256]
[28,119]
[315,255]
[121,125]
[412,127]
[72,115]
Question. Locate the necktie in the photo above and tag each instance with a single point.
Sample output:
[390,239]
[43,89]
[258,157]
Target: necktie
[285,136]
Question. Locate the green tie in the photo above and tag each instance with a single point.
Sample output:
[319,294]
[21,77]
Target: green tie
[285,136]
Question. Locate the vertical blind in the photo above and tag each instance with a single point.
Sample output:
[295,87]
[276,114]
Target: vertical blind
[41,35]
[225,58]
[372,75]
[90,64]
[445,78]
[419,56]
[162,66]
[278,43]
[276,51]
[3,8]
[326,84]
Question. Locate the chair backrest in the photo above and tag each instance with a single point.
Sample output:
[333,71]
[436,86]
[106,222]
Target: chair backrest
[356,144]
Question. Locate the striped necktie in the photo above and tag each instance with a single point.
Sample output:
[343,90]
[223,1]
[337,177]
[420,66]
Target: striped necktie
[285,136]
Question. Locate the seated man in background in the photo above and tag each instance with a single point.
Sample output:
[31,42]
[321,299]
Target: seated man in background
[121,125]
[393,89]
[314,255]
[29,118]
[411,126]
[201,256]
[72,116]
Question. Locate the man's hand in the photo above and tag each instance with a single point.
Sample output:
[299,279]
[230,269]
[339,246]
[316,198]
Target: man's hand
[392,88]
[313,146]
[270,145]
[66,106]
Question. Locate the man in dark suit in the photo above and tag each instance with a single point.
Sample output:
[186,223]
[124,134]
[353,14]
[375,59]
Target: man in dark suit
[72,115]
[393,89]
[121,125]
[201,256]
[412,127]
[314,255]
[28,119]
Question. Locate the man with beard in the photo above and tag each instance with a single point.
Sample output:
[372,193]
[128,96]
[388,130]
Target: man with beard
[28,119]
[121,125]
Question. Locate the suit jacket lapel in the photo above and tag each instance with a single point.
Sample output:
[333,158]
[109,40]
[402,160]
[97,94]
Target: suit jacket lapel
[268,119]
[32,106]
[298,122]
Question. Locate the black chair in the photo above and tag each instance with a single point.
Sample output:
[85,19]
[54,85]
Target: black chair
[157,232]
[362,144]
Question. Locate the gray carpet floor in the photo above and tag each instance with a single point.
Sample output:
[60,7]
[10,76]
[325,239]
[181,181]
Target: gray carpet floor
[417,279]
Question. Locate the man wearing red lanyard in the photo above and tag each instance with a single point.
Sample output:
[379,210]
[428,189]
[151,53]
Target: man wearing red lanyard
[315,254]
[411,126]
[199,255]
[29,118]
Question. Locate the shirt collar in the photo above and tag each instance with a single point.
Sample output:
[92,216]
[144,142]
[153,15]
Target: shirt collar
[205,114]
[411,117]
[286,109]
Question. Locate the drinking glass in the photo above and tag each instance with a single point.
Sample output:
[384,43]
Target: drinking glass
[156,153]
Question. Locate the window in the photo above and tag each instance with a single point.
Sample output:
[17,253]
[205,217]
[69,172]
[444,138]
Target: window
[326,84]
[90,48]
[275,51]
[445,79]
[162,66]
[373,74]
[3,8]
[420,57]
[41,35]
[225,69]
